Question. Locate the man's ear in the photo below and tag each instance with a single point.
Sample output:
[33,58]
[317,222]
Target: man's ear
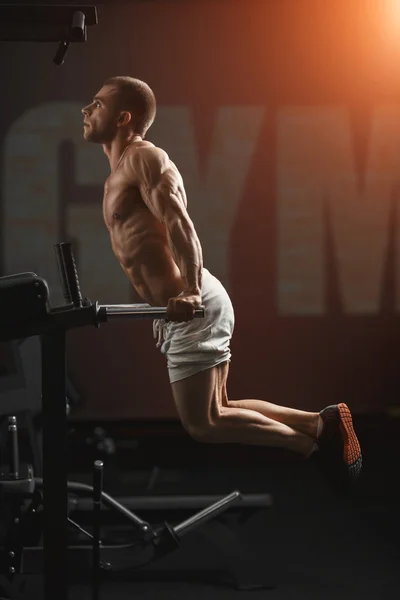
[125,118]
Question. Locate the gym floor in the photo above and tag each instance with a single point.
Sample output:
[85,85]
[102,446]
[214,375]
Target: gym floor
[314,543]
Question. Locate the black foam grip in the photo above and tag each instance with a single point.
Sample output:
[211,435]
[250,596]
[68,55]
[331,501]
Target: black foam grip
[68,273]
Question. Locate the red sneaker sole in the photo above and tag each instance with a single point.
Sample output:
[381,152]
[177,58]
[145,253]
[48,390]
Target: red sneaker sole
[352,450]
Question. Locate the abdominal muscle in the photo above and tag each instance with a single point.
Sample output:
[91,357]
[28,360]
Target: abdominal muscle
[146,257]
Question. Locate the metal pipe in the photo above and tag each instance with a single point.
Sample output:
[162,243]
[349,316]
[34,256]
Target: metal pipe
[97,492]
[137,311]
[107,500]
[176,502]
[14,450]
[206,514]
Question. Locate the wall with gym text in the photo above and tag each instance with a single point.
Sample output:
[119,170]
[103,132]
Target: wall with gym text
[284,120]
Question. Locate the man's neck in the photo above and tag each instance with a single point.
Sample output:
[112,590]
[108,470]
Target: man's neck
[115,149]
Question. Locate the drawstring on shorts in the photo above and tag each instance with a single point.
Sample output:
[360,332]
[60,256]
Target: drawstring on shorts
[159,326]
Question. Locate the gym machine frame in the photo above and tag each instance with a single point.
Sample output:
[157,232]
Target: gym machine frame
[46,23]
[26,312]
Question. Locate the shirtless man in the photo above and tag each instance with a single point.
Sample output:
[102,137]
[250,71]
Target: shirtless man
[154,239]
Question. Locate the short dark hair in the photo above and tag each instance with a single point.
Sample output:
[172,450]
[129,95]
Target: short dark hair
[136,97]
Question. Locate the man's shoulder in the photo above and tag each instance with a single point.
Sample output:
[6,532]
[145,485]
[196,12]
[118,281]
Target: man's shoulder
[150,157]
[148,161]
[145,149]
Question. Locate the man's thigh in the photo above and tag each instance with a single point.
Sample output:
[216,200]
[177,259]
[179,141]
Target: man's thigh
[200,398]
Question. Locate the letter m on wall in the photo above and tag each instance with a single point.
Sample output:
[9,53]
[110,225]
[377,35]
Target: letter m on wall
[317,177]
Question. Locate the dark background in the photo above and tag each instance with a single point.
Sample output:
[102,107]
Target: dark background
[284,119]
[201,58]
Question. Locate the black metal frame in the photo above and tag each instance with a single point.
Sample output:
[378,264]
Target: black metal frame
[27,312]
[54,465]
[45,23]
[54,557]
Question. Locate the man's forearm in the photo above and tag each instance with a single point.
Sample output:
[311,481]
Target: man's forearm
[188,254]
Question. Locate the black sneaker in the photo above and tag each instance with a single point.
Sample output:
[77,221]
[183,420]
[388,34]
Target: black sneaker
[338,445]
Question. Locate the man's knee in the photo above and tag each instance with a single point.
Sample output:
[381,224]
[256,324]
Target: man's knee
[206,433]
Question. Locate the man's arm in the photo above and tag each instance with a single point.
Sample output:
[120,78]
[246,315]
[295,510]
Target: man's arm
[162,190]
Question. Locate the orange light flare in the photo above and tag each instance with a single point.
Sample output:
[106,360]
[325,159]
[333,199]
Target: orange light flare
[388,14]
[393,9]
[381,41]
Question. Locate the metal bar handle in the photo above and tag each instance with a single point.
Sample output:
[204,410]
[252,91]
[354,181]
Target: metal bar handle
[68,273]
[137,311]
[107,500]
[207,513]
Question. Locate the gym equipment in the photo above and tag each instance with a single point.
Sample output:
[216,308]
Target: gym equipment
[24,515]
[21,395]
[27,312]
[62,24]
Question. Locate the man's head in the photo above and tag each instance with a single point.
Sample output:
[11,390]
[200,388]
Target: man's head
[123,102]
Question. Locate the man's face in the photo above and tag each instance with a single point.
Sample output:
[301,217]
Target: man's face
[101,116]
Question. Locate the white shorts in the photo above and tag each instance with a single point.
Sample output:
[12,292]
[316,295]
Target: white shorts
[203,342]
